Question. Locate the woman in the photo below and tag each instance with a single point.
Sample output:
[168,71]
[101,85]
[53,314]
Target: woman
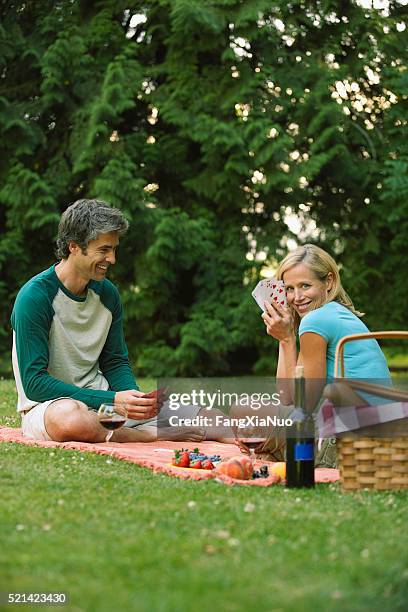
[321,313]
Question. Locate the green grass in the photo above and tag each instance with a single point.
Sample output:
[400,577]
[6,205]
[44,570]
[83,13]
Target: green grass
[397,358]
[115,536]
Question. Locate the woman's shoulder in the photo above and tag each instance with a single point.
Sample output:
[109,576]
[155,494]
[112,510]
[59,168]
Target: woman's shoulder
[321,313]
[329,309]
[333,305]
[335,317]
[319,321]
[331,317]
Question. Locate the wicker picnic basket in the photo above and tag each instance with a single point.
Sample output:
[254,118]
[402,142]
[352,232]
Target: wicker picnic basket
[377,461]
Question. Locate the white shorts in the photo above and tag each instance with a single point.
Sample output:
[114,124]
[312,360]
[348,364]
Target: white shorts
[33,423]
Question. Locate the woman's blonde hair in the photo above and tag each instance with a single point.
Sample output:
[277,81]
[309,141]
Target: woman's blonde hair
[320,263]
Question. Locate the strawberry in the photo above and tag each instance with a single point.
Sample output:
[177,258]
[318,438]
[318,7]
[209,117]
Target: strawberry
[184,459]
[207,465]
[181,458]
[196,464]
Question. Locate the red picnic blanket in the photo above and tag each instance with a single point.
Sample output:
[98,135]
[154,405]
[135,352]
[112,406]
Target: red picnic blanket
[333,420]
[157,456]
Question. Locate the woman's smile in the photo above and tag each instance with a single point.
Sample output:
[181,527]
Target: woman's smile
[302,308]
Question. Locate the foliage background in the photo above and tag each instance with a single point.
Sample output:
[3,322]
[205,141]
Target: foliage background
[212,125]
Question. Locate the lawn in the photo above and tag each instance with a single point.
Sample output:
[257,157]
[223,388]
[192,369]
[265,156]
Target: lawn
[115,536]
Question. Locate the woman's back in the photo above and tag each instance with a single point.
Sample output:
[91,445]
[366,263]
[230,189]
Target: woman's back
[362,358]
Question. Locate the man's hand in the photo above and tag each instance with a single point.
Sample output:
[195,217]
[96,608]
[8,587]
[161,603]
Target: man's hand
[160,394]
[138,406]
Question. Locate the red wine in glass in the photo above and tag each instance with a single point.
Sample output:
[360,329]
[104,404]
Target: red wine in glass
[252,444]
[110,418]
[113,422]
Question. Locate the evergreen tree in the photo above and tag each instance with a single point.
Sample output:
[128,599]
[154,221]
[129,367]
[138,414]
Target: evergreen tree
[209,124]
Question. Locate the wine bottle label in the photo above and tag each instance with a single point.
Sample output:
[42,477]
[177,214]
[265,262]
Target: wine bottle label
[304,452]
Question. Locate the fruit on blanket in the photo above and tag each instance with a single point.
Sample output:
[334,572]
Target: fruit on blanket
[263,471]
[248,466]
[181,458]
[194,459]
[237,467]
[279,469]
[195,454]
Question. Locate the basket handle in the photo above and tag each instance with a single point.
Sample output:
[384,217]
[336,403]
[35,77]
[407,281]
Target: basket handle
[396,395]
[339,358]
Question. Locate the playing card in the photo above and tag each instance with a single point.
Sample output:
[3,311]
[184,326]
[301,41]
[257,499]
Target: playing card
[160,394]
[270,290]
[279,292]
[257,294]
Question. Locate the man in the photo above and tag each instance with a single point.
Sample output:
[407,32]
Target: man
[69,352]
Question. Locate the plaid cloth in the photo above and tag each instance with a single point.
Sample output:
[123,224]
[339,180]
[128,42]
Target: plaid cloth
[332,420]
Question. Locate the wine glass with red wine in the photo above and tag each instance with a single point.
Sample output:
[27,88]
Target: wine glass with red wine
[111,416]
[250,439]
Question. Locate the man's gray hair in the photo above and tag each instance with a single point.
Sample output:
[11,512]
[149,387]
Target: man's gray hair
[84,220]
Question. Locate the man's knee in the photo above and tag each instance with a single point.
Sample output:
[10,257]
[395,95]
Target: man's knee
[66,409]
[64,417]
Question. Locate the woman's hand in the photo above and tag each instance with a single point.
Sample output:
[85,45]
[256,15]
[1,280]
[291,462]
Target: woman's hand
[279,322]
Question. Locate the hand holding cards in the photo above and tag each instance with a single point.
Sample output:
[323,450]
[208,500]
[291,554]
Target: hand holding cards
[270,290]
[159,394]
[270,295]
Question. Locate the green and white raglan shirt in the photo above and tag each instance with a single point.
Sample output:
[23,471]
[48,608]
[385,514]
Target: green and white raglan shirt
[68,346]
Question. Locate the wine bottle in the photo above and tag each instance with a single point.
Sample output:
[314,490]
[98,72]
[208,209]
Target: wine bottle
[300,440]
